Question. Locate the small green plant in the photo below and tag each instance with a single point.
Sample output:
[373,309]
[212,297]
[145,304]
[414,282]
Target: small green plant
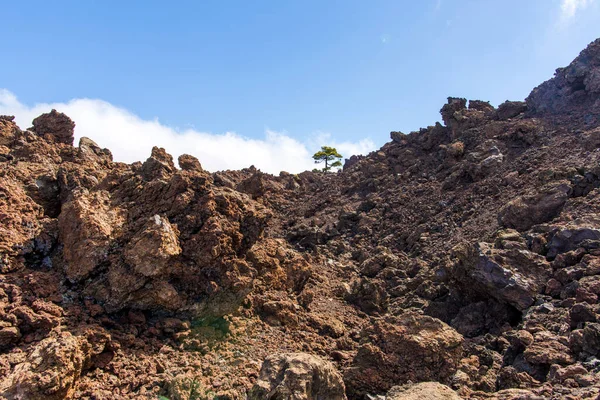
[330,156]
[188,389]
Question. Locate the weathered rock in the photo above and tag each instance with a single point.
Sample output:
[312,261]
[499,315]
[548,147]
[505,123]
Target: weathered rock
[298,376]
[8,130]
[547,349]
[9,336]
[526,211]
[408,347]
[150,250]
[511,276]
[19,224]
[579,233]
[591,339]
[189,163]
[86,225]
[353,160]
[369,295]
[89,150]
[398,137]
[158,166]
[55,125]
[573,90]
[481,105]
[51,371]
[449,110]
[511,109]
[422,391]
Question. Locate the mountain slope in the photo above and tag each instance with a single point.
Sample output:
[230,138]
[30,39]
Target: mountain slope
[466,253]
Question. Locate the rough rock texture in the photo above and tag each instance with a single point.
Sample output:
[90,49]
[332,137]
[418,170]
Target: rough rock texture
[511,109]
[466,253]
[51,369]
[573,91]
[422,391]
[298,376]
[514,276]
[406,348]
[527,211]
[55,125]
[189,163]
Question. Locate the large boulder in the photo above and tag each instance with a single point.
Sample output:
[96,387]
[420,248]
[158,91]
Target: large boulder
[55,125]
[548,349]
[189,163]
[86,224]
[298,376]
[578,233]
[422,391]
[151,249]
[525,211]
[54,365]
[512,276]
[449,110]
[510,109]
[409,347]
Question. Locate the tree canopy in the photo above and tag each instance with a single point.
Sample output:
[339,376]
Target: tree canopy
[330,156]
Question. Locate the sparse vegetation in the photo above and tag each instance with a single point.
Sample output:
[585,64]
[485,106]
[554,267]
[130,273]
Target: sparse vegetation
[330,156]
[187,389]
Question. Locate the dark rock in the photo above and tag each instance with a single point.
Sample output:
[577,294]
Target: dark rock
[573,91]
[55,125]
[189,163]
[572,236]
[158,166]
[510,109]
[511,276]
[526,211]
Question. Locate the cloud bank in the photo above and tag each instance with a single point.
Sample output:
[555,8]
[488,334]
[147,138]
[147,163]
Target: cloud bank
[570,7]
[131,138]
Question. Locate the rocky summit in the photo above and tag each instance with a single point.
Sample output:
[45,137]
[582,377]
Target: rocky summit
[459,261]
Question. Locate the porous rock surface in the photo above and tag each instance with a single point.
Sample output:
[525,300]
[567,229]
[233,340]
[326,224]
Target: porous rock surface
[459,260]
[298,376]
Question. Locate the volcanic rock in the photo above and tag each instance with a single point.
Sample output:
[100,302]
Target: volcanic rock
[408,347]
[55,125]
[524,212]
[298,376]
[422,391]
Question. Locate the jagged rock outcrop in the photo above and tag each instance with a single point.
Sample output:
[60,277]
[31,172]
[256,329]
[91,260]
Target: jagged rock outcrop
[573,91]
[465,254]
[510,109]
[55,125]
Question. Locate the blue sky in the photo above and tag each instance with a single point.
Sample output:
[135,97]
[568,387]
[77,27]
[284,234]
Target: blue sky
[262,75]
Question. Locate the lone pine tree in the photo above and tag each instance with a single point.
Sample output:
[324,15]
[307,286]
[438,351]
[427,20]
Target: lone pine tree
[330,156]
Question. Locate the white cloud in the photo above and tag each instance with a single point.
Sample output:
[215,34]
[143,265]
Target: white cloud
[570,7]
[131,138]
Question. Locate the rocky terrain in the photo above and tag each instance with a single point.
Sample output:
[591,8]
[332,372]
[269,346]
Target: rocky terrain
[460,261]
